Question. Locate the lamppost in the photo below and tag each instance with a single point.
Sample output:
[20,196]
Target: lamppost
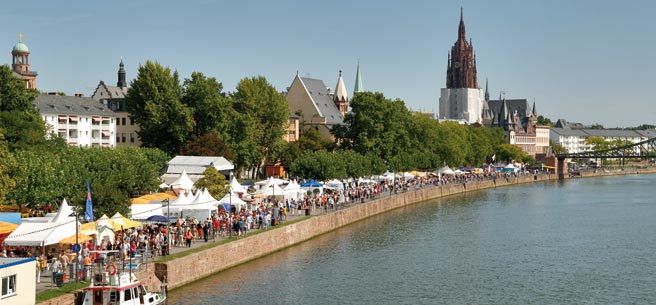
[76,248]
[168,223]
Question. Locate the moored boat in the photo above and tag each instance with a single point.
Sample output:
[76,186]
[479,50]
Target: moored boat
[112,286]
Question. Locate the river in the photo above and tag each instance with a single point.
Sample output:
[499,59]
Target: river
[579,241]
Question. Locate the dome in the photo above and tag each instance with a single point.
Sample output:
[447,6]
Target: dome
[20,47]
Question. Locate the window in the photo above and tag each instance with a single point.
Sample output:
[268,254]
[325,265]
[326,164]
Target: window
[131,137]
[128,295]
[8,286]
[123,121]
[131,121]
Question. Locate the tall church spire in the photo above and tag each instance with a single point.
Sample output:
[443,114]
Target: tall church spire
[461,27]
[121,76]
[487,92]
[461,71]
[341,98]
[358,81]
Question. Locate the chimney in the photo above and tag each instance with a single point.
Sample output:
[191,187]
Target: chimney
[79,95]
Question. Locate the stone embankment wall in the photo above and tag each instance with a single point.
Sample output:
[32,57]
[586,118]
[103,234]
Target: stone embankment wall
[198,265]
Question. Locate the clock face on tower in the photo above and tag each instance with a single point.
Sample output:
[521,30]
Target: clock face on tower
[457,64]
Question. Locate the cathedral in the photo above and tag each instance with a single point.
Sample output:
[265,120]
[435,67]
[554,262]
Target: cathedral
[461,100]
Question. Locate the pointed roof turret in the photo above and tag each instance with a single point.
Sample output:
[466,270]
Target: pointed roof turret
[340,89]
[535,112]
[121,76]
[487,92]
[358,81]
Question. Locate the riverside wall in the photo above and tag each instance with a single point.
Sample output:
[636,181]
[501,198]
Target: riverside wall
[196,266]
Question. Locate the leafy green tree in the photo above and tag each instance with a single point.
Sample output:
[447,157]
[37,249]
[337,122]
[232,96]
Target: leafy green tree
[545,121]
[212,111]
[7,165]
[14,96]
[207,145]
[557,148]
[320,165]
[267,107]
[214,181]
[153,100]
[376,124]
[509,153]
[453,143]
[311,140]
[597,143]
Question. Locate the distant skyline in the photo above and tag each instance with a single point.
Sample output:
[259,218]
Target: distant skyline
[585,61]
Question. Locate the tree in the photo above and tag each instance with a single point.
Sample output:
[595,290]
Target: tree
[212,111]
[509,153]
[153,101]
[7,166]
[256,98]
[597,143]
[14,96]
[214,181]
[378,125]
[207,145]
[545,121]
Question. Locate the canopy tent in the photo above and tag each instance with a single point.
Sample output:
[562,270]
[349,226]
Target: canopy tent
[202,206]
[418,173]
[174,209]
[143,211]
[145,199]
[38,234]
[105,229]
[275,180]
[5,229]
[509,169]
[183,182]
[64,212]
[121,222]
[158,218]
[446,171]
[271,189]
[88,228]
[294,191]
[81,238]
[232,199]
[236,187]
[334,184]
[387,176]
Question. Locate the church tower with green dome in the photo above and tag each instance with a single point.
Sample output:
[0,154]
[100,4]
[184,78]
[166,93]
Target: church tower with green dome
[21,63]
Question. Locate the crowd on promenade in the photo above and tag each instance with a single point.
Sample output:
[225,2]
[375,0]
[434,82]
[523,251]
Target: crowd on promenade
[153,240]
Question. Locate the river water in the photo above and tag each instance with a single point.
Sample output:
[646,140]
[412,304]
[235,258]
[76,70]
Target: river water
[580,241]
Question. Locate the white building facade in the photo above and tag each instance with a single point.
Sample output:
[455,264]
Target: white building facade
[81,121]
[18,280]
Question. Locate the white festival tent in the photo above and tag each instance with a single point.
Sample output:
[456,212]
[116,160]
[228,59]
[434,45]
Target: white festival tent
[183,182]
[293,190]
[278,181]
[39,234]
[271,189]
[143,211]
[201,207]
[232,199]
[446,171]
[387,176]
[334,184]
[105,230]
[236,187]
[175,207]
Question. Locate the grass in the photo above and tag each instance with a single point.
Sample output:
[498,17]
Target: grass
[168,258]
[53,293]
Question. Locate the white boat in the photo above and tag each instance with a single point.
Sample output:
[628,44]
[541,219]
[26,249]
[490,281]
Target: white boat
[111,286]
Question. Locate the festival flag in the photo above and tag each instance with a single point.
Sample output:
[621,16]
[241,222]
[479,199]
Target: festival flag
[88,213]
[494,157]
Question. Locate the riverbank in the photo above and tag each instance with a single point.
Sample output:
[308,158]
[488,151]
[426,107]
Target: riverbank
[195,266]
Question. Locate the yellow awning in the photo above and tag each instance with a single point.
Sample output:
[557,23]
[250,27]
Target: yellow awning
[81,238]
[153,197]
[6,227]
[121,222]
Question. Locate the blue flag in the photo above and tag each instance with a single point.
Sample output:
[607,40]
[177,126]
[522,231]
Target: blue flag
[88,213]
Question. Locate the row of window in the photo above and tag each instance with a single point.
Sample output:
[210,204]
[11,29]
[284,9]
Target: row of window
[123,121]
[122,139]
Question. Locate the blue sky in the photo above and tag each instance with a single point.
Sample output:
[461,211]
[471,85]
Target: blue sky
[585,61]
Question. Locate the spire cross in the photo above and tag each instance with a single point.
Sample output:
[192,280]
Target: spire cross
[20,36]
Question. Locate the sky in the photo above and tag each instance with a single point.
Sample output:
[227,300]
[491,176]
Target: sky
[584,61]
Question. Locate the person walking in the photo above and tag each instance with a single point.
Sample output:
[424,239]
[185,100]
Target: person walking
[188,237]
